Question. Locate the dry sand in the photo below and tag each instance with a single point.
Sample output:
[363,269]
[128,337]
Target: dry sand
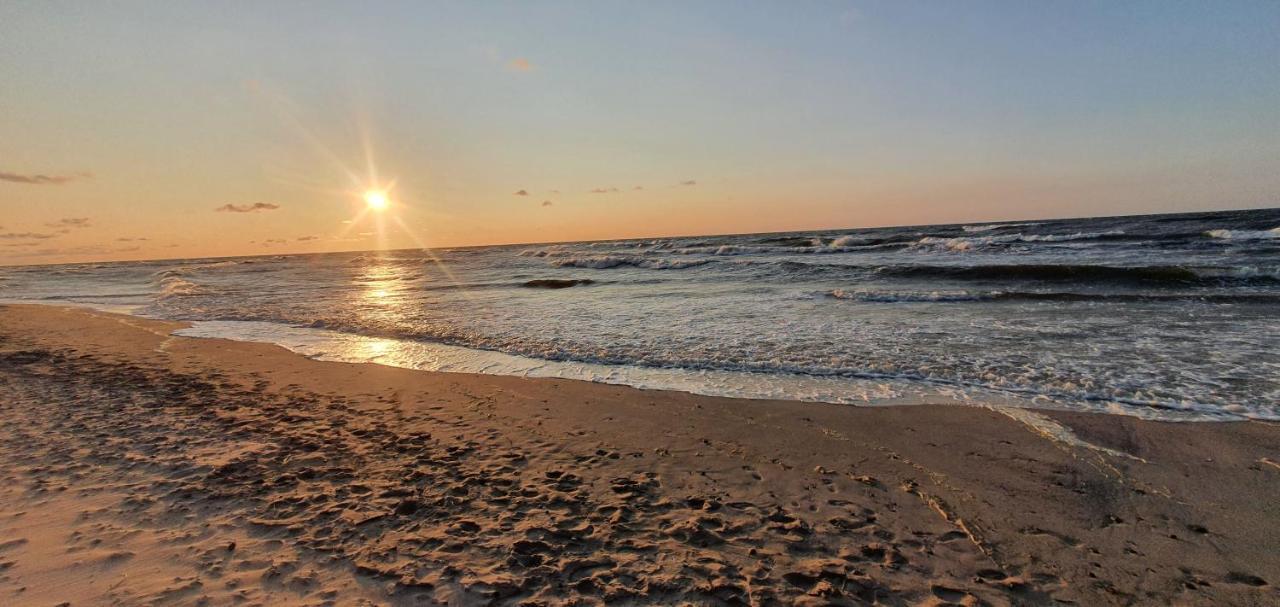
[140,468]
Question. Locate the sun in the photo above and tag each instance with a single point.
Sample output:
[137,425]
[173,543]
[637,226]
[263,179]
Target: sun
[376,199]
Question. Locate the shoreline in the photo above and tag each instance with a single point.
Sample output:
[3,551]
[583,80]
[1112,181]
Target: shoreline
[330,345]
[335,482]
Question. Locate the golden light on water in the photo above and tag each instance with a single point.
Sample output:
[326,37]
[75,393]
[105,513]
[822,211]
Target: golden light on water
[376,199]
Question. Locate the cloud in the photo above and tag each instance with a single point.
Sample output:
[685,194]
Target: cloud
[689,182]
[306,238]
[40,179]
[125,239]
[520,193]
[270,241]
[69,222]
[520,64]
[247,208]
[604,190]
[26,236]
[546,203]
[639,187]
[96,249]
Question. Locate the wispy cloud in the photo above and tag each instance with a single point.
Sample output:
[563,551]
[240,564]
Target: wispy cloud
[689,182]
[603,190]
[637,188]
[520,64]
[247,208]
[69,222]
[26,236]
[546,203]
[38,179]
[306,238]
[271,241]
[127,239]
[95,249]
[520,193]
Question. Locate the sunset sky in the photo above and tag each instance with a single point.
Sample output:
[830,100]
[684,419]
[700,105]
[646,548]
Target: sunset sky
[133,130]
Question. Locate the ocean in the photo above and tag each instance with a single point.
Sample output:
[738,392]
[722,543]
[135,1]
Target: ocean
[1173,317]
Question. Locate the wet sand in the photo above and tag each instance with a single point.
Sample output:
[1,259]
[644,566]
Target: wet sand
[141,468]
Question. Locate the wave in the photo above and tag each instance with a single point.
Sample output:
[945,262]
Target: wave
[1152,275]
[728,249]
[175,286]
[905,296]
[188,269]
[841,244]
[791,241]
[542,252]
[1052,296]
[1069,237]
[556,283]
[987,227]
[94,296]
[851,241]
[1244,234]
[962,243]
[604,262]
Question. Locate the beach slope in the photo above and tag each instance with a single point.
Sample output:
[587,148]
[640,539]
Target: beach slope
[141,468]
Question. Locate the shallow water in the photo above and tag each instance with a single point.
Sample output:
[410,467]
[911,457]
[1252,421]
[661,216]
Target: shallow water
[1166,317]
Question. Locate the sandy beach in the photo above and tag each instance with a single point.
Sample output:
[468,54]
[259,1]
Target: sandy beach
[142,468]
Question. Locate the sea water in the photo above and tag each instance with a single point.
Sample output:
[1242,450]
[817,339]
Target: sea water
[1166,317]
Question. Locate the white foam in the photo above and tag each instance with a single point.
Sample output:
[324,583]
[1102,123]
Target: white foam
[1244,234]
[847,241]
[174,286]
[971,242]
[324,344]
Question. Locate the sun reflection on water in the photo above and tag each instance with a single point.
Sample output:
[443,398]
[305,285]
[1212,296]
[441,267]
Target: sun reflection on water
[377,299]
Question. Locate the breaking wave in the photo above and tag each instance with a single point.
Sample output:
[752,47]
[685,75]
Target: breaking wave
[175,286]
[967,243]
[1244,234]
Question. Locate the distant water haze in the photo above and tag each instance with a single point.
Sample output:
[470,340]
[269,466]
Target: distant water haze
[1165,317]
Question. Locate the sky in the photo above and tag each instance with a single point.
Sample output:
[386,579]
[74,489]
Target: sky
[137,130]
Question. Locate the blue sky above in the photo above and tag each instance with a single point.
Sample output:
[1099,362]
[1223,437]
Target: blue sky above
[786,115]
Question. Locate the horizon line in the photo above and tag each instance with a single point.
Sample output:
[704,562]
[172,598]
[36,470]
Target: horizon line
[591,240]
